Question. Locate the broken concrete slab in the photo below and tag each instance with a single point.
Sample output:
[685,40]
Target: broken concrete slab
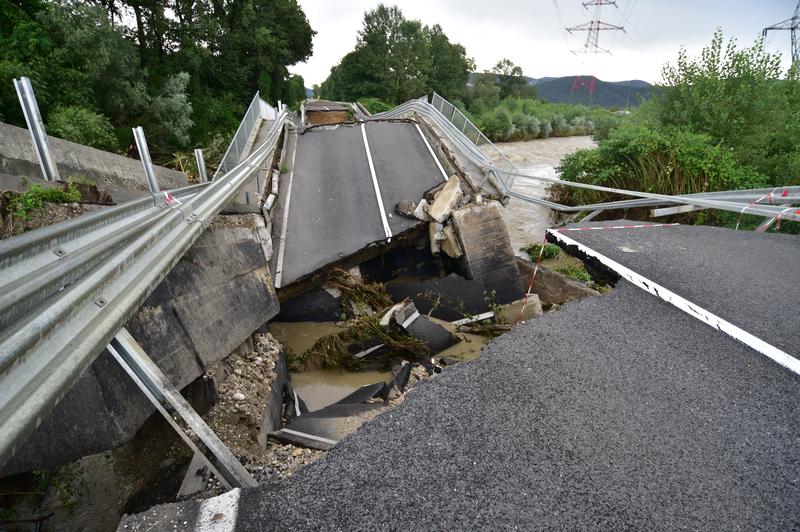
[446,200]
[553,288]
[421,211]
[521,310]
[488,255]
[436,236]
[405,208]
[450,245]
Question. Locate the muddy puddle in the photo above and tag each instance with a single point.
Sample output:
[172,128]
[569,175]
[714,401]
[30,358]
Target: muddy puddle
[322,387]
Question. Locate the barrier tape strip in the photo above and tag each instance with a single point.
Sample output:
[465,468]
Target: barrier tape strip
[533,278]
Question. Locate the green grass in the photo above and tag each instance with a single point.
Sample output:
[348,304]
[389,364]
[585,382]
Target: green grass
[22,204]
[577,272]
[551,251]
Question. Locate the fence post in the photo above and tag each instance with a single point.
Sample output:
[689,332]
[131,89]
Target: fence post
[201,165]
[144,155]
[30,108]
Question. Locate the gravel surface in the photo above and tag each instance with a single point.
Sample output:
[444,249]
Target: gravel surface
[744,277]
[615,412]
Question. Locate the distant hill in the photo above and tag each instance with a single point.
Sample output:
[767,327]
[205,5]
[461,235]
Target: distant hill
[309,92]
[606,93]
[575,89]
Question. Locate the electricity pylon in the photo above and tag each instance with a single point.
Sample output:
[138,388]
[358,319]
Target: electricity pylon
[790,24]
[593,28]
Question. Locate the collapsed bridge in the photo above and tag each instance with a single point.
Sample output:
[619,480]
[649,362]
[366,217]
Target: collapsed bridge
[317,196]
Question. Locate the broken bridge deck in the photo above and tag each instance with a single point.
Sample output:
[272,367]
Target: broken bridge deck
[340,192]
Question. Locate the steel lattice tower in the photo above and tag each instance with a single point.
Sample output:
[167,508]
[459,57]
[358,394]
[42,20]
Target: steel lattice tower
[594,27]
[790,24]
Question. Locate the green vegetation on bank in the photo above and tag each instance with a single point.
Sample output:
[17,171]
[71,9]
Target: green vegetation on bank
[185,70]
[727,120]
[515,119]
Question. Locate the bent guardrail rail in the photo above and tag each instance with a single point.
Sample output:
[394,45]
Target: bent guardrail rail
[86,278]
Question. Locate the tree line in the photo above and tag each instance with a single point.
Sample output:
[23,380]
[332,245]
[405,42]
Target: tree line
[183,69]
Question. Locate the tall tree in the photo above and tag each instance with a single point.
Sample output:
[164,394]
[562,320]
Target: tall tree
[396,59]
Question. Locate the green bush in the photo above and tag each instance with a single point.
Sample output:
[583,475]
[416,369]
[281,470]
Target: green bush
[497,124]
[375,105]
[667,161]
[82,126]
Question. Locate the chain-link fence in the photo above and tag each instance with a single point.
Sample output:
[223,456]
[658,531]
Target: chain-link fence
[257,111]
[476,136]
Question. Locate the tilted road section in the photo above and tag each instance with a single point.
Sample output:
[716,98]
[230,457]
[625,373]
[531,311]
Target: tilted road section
[340,193]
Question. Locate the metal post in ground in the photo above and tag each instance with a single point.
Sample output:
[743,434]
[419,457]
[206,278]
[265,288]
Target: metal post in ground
[144,155]
[201,165]
[30,108]
[166,398]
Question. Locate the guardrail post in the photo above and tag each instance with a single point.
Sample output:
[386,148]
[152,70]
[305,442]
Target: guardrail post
[201,165]
[30,108]
[144,155]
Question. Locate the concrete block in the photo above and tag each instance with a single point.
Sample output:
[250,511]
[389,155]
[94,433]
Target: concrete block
[450,245]
[488,255]
[551,287]
[521,310]
[446,200]
[436,235]
[421,211]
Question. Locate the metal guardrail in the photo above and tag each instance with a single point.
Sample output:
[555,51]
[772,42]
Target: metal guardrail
[257,110]
[68,288]
[747,201]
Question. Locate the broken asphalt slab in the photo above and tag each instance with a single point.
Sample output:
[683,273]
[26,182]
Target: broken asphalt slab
[614,412]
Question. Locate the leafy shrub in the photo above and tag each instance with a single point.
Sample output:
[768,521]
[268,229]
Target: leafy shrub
[497,124]
[375,105]
[83,126]
[669,161]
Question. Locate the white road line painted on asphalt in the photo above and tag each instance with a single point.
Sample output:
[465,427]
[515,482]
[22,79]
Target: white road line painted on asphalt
[285,224]
[779,356]
[386,227]
[430,150]
[309,436]
[218,514]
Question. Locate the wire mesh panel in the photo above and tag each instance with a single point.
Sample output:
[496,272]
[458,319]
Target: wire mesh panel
[239,142]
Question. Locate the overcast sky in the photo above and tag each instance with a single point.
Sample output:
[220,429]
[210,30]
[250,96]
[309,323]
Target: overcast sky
[531,32]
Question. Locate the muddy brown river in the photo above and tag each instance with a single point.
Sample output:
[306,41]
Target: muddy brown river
[527,222]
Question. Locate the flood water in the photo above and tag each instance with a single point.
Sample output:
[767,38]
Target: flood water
[527,222]
[322,387]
